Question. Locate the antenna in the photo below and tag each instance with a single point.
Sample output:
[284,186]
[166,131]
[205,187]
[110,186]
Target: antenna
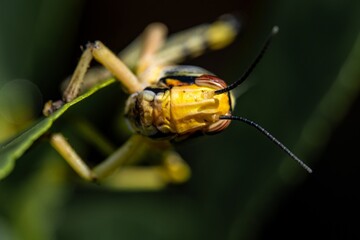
[268,135]
[274,31]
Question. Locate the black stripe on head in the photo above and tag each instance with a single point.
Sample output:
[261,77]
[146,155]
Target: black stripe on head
[187,80]
[156,90]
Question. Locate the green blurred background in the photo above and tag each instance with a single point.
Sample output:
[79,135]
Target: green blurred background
[304,91]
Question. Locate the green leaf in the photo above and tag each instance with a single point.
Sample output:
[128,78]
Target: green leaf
[16,147]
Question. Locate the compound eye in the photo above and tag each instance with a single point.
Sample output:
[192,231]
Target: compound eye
[210,81]
[132,112]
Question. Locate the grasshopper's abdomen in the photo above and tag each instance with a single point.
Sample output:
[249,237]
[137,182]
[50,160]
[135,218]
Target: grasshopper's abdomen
[182,103]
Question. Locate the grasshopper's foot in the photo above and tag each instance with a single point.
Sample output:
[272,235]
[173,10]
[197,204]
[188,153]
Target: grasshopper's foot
[51,107]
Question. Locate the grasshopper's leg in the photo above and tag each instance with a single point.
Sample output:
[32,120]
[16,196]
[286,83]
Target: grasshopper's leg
[115,160]
[118,69]
[176,169]
[61,145]
[153,39]
[109,60]
[193,42]
[150,41]
[188,43]
[74,85]
[73,88]
[173,168]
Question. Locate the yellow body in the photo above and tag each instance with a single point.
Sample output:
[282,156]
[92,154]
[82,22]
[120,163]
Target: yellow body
[178,107]
[192,109]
